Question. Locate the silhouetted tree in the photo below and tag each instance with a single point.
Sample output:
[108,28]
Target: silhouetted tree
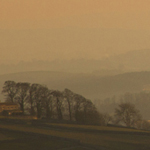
[58,96]
[22,94]
[38,99]
[91,115]
[128,114]
[47,102]
[10,90]
[69,96]
[78,107]
[31,98]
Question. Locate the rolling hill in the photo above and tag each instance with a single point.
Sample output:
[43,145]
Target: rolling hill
[89,85]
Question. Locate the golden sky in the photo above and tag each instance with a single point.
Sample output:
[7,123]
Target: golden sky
[63,29]
[132,14]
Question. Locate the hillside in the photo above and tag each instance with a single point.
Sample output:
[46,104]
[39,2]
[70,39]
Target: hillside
[137,60]
[90,86]
[69,136]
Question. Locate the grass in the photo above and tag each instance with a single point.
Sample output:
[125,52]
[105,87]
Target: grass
[4,137]
[99,128]
[35,144]
[32,142]
[112,140]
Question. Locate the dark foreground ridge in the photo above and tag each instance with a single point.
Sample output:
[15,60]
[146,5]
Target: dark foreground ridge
[37,141]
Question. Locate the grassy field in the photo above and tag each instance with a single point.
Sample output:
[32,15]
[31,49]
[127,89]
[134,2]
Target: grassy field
[119,139]
[98,128]
[13,140]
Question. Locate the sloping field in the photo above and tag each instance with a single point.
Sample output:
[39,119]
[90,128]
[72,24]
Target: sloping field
[119,139]
[4,137]
[97,128]
[14,140]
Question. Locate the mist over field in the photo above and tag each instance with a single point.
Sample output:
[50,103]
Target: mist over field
[131,61]
[74,73]
[103,90]
[80,60]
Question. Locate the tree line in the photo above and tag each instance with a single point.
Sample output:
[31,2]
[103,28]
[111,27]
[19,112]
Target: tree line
[39,100]
[123,109]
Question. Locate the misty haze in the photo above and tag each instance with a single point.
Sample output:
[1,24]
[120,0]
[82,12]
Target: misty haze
[73,74]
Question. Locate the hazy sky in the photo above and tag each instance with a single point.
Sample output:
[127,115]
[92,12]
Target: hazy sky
[64,29]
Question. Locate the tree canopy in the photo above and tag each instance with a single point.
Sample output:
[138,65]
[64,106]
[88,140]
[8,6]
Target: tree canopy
[39,100]
[128,114]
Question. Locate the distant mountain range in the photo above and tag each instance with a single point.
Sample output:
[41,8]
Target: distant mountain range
[94,79]
[131,61]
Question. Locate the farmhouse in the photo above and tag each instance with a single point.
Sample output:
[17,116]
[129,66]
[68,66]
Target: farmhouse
[10,108]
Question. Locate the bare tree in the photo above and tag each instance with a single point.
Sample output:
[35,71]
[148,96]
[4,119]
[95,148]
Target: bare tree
[128,114]
[59,103]
[31,98]
[38,98]
[91,115]
[47,99]
[69,96]
[22,94]
[78,107]
[9,90]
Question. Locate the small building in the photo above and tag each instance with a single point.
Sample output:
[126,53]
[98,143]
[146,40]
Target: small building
[10,108]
